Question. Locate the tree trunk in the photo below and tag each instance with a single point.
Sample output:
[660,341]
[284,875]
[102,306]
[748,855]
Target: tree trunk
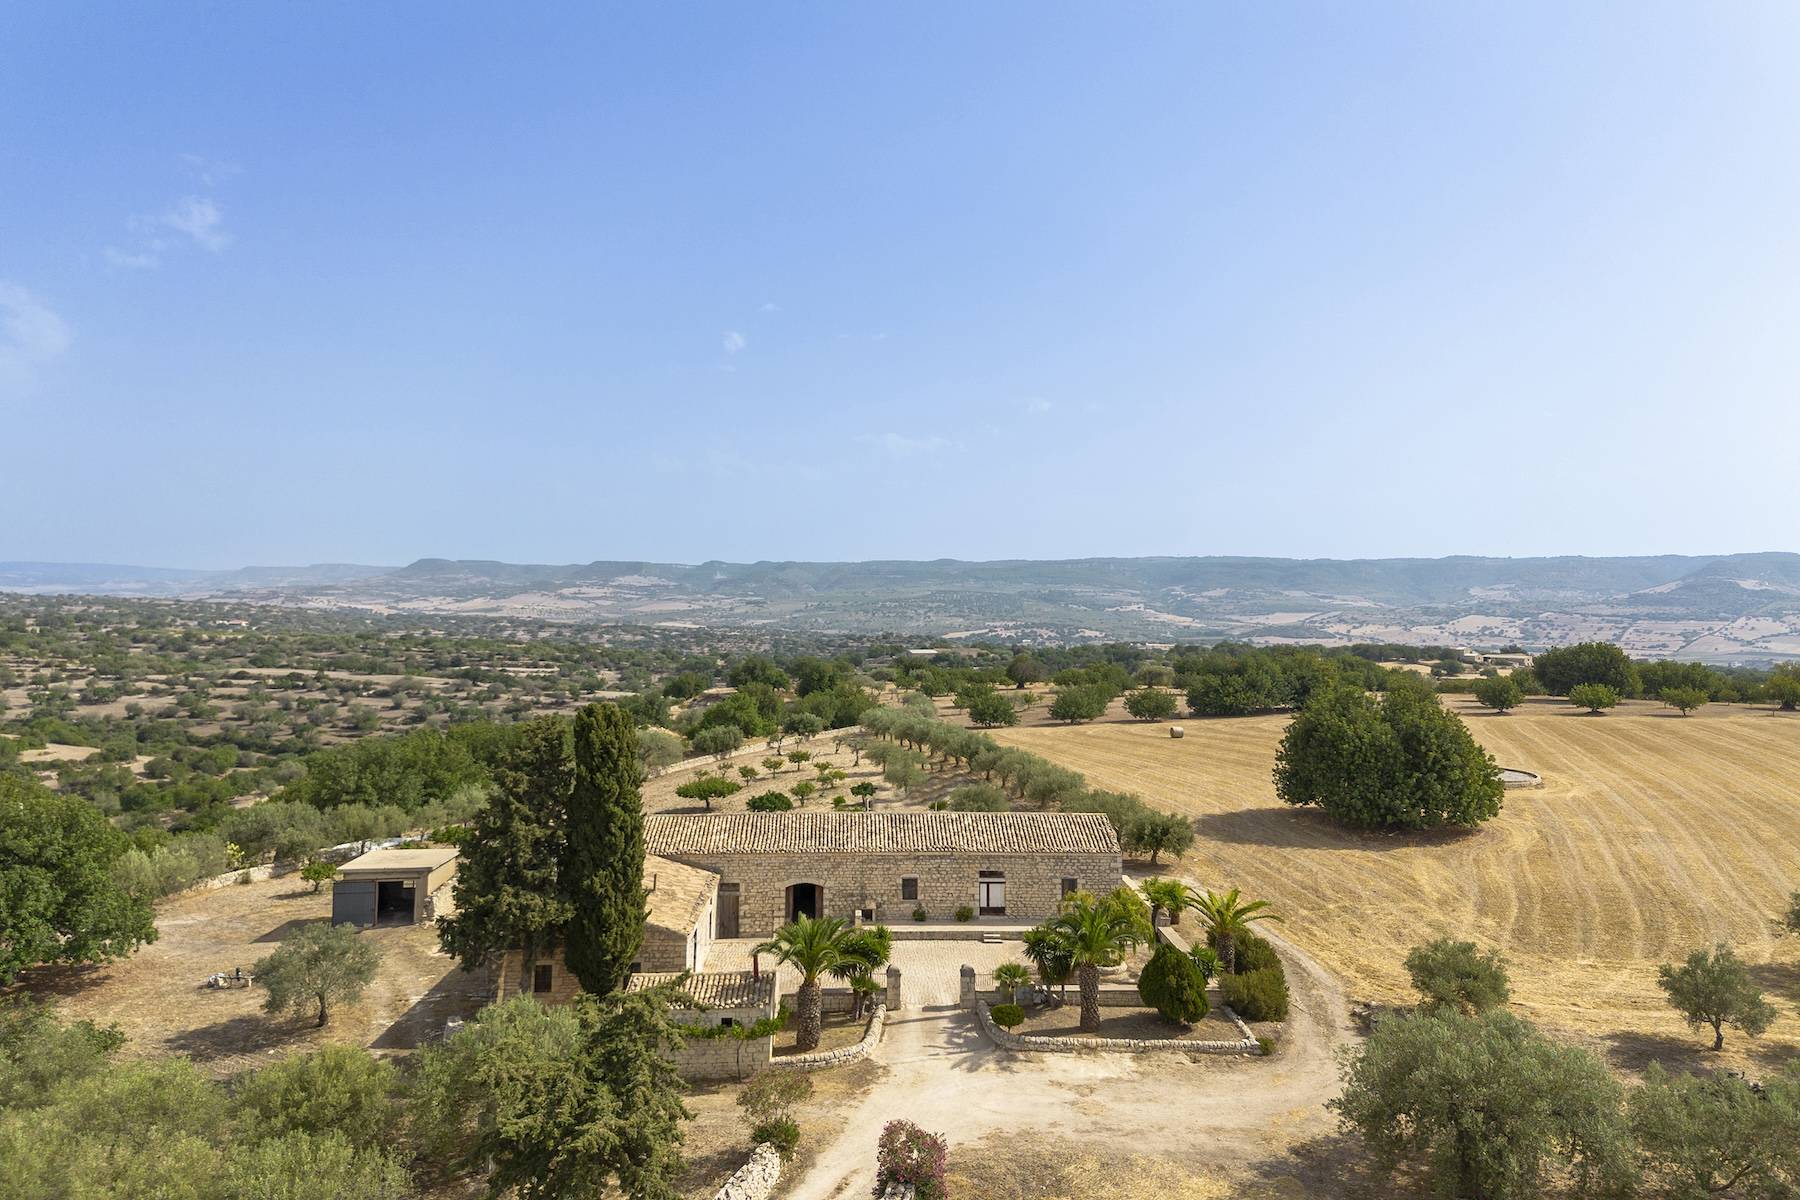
[1090,998]
[527,967]
[1718,1035]
[1227,954]
[810,1002]
[322,1013]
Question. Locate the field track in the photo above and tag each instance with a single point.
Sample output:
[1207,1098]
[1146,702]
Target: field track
[1653,835]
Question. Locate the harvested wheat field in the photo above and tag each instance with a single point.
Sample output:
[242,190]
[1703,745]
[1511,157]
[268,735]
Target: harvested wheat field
[1652,835]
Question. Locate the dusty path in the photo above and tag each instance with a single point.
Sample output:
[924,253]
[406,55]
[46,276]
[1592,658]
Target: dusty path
[944,1075]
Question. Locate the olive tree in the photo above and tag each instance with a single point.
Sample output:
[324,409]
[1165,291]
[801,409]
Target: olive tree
[1450,974]
[320,964]
[1713,987]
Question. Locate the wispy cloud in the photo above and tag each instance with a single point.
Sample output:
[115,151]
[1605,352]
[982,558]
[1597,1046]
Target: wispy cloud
[770,307]
[199,218]
[210,172]
[900,445]
[30,333]
[734,341]
[1038,405]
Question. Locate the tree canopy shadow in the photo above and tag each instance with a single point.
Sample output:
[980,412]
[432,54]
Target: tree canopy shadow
[251,1033]
[288,929]
[458,993]
[1304,828]
[1332,1164]
[1782,978]
[1632,1050]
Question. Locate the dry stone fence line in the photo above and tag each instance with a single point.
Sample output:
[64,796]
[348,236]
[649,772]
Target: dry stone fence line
[756,1179]
[831,1058]
[1025,1041]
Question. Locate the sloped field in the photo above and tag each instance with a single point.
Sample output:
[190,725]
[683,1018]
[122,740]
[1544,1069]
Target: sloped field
[1653,835]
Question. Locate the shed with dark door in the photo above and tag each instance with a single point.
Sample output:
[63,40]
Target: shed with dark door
[390,887]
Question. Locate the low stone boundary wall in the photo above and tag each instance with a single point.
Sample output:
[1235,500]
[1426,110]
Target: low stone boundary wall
[756,1179]
[820,1059]
[1025,1041]
[1518,777]
[899,1191]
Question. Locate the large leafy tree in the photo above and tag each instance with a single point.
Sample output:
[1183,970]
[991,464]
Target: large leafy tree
[559,1102]
[1713,987]
[1484,1105]
[58,899]
[820,946]
[1402,763]
[508,890]
[602,872]
[1095,933]
[1568,667]
[1701,1136]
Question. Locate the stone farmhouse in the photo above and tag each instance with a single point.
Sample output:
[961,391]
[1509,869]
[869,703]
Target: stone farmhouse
[880,867]
[741,875]
[734,1000]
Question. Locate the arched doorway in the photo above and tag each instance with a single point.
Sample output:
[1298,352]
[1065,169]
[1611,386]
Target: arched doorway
[805,900]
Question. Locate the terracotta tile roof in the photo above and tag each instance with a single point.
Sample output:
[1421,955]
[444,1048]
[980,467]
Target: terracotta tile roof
[678,893]
[879,833]
[715,989]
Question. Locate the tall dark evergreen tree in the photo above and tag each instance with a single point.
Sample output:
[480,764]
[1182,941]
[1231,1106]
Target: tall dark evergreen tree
[508,894]
[603,859]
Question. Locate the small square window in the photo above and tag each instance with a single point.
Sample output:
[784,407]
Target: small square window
[909,888]
[1070,885]
[727,1022]
[540,978]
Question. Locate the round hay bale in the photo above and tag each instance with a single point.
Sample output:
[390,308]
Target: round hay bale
[1174,731]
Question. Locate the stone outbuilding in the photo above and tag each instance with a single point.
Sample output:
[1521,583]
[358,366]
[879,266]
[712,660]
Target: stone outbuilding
[682,903]
[1011,868]
[391,887]
[726,1003]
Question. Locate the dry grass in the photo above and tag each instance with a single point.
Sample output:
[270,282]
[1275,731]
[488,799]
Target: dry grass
[1653,835]
[157,997]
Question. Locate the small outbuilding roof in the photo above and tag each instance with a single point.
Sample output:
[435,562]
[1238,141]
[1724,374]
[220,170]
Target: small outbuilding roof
[671,836]
[714,989]
[404,862]
[677,893]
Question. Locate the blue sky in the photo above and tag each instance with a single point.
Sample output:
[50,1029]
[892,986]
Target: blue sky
[367,282]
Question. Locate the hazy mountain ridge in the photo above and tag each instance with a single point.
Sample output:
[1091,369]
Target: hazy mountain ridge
[1722,607]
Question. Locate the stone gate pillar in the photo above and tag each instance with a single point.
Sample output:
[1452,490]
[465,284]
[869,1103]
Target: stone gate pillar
[893,988]
[968,987]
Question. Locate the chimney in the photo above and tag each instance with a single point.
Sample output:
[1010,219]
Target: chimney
[653,881]
[755,967]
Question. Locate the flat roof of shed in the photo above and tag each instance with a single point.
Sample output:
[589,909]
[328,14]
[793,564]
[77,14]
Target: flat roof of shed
[404,862]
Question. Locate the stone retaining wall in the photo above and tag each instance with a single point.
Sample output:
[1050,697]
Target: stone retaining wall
[756,1179]
[820,1059]
[1024,1041]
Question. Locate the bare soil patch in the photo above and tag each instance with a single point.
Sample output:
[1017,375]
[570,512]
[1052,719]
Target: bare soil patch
[837,1031]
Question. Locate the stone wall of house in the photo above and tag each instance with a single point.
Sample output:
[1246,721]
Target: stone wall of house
[756,1179]
[723,1057]
[853,882]
[665,949]
[564,987]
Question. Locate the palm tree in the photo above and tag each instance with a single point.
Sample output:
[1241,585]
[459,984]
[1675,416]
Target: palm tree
[1228,918]
[870,947]
[1096,933]
[1045,951]
[1167,895]
[815,947]
[1010,977]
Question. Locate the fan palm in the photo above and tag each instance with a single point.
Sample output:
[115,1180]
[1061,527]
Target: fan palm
[820,946]
[1010,977]
[1228,917]
[1167,895]
[1095,933]
[1045,951]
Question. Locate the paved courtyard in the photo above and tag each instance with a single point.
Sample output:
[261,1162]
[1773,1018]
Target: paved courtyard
[930,971]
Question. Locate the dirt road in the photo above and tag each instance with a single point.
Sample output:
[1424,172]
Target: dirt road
[943,1074]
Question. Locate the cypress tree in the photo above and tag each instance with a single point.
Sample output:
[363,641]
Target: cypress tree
[603,859]
[507,891]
